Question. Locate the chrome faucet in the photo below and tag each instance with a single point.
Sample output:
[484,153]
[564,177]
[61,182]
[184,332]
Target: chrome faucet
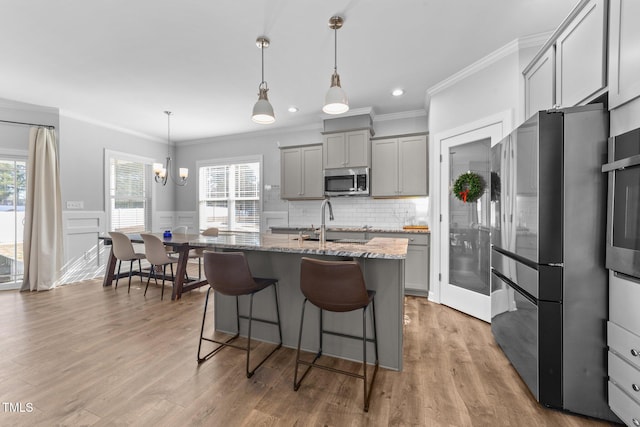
[323,227]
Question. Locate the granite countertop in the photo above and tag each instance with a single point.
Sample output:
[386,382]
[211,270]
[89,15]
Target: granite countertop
[378,247]
[296,230]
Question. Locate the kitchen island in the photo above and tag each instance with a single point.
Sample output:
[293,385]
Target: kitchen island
[278,256]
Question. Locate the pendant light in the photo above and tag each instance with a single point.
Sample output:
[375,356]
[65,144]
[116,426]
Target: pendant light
[263,111]
[335,102]
[162,173]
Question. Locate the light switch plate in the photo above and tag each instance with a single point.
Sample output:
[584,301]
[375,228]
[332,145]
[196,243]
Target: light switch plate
[75,205]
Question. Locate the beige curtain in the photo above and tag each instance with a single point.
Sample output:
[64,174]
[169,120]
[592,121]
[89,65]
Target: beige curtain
[43,252]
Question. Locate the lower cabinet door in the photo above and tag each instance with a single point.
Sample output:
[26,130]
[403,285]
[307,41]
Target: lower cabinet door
[416,270]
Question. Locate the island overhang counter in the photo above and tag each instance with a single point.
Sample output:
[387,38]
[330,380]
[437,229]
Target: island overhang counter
[278,256]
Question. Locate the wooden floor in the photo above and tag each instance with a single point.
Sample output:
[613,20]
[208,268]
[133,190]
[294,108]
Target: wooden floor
[87,355]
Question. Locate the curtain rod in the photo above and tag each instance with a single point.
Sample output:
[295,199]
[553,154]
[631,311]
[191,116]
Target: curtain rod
[27,124]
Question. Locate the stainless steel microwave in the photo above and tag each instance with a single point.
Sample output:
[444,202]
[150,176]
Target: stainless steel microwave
[346,182]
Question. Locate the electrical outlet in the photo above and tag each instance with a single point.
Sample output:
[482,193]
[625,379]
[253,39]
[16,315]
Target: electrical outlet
[75,205]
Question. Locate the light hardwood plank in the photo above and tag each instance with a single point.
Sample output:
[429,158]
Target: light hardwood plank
[87,355]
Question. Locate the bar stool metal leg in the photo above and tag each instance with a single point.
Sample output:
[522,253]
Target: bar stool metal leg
[367,385]
[247,348]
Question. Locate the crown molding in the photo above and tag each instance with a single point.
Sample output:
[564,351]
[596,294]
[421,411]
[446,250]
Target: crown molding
[534,40]
[351,112]
[89,120]
[401,115]
[259,133]
[488,60]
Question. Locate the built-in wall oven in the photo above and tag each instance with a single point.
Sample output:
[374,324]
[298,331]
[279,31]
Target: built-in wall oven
[623,205]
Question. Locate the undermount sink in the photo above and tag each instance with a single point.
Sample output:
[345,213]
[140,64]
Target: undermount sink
[351,241]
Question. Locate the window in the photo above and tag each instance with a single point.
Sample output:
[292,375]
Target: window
[129,193]
[229,195]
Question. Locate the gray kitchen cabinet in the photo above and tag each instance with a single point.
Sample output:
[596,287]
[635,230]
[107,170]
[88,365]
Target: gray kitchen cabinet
[347,149]
[581,56]
[356,235]
[301,172]
[399,166]
[570,69]
[623,339]
[416,266]
[538,83]
[624,60]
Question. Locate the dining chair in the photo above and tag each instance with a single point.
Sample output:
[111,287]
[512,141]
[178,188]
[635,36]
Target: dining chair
[123,251]
[337,286]
[228,273]
[199,252]
[157,257]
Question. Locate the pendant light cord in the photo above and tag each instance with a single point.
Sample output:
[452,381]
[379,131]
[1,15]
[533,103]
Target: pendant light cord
[335,50]
[168,113]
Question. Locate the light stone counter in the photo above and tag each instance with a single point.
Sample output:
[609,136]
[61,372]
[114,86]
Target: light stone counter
[384,248]
[278,256]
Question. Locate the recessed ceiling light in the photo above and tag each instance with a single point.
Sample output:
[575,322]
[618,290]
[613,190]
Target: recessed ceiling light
[293,109]
[397,92]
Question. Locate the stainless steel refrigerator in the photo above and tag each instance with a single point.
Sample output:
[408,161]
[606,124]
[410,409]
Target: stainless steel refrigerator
[548,279]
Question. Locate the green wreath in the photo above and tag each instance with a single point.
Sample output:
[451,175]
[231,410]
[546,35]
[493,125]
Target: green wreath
[469,187]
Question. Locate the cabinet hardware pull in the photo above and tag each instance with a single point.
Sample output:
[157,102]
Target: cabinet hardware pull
[635,352]
[635,422]
[635,387]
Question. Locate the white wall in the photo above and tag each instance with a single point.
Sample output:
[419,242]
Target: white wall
[488,88]
[489,91]
[82,147]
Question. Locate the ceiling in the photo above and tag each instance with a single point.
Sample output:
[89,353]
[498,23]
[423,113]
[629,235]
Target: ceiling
[122,62]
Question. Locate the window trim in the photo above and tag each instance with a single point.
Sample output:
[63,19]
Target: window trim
[16,156]
[120,155]
[226,161]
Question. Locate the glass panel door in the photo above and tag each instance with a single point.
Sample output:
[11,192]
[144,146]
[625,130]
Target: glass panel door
[469,220]
[13,189]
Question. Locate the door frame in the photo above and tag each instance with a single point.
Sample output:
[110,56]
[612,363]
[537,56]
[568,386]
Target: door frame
[21,156]
[494,127]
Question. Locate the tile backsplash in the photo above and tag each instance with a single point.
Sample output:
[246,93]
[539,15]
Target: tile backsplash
[361,211]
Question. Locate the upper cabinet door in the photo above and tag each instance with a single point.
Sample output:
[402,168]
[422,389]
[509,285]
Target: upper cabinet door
[413,166]
[384,168]
[334,150]
[312,177]
[290,173]
[539,84]
[581,56]
[358,148]
[347,149]
[624,54]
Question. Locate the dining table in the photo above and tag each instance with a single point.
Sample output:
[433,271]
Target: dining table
[180,243]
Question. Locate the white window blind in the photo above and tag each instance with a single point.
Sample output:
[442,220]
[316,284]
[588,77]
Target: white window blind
[229,196]
[129,196]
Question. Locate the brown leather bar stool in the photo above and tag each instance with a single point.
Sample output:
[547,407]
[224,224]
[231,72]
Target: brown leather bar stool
[337,286]
[228,273]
